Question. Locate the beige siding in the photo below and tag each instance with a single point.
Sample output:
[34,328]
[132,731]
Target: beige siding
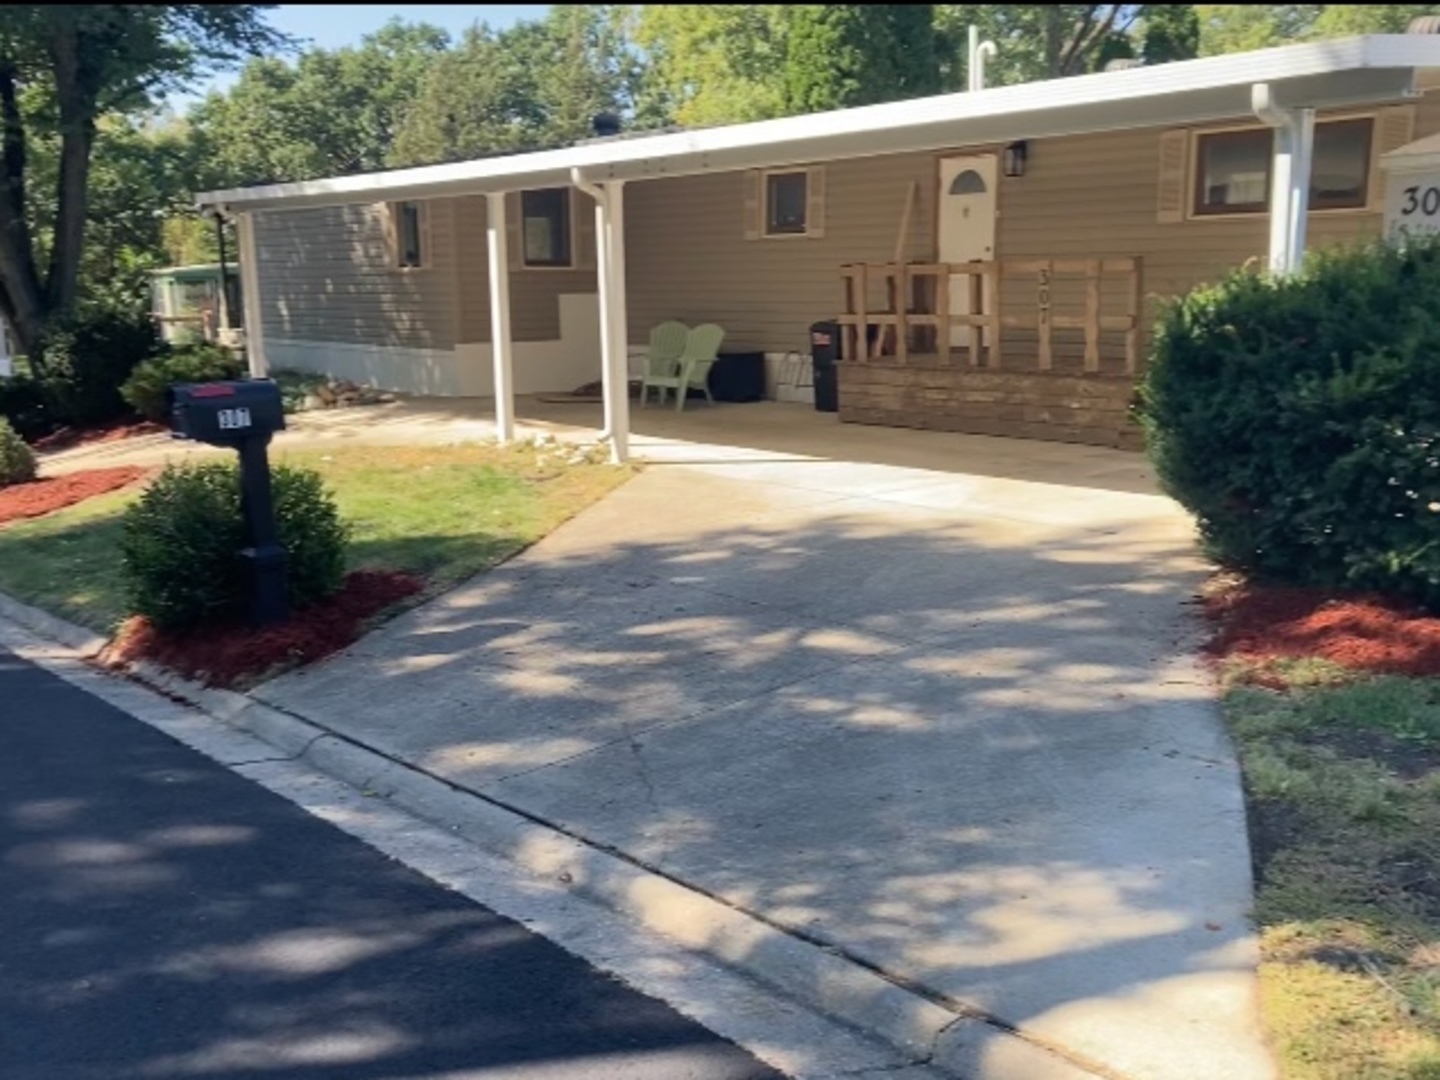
[326,275]
[534,293]
[1090,196]
[689,258]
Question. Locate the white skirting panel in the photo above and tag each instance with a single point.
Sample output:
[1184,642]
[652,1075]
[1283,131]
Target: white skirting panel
[542,366]
[387,367]
[465,371]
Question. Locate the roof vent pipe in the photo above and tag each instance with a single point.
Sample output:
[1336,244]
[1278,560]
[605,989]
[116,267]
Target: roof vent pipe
[1124,63]
[1424,24]
[975,66]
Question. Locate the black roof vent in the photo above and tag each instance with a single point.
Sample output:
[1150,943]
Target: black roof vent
[605,125]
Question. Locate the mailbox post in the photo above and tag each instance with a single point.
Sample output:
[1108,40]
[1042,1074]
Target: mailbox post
[243,416]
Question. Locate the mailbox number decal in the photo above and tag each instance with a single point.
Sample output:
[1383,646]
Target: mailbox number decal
[234,419]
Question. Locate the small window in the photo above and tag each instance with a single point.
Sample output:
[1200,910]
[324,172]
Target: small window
[409,235]
[1232,174]
[968,182]
[786,195]
[545,221]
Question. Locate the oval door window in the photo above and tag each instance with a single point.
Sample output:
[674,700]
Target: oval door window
[968,182]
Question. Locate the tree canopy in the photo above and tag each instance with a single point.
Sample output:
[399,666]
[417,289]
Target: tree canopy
[63,67]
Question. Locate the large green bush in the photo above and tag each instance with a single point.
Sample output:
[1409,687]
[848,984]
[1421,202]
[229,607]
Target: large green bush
[28,408]
[17,460]
[181,538]
[145,389]
[1298,418]
[85,359]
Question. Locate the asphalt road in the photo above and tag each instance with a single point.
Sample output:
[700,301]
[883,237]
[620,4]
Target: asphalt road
[162,917]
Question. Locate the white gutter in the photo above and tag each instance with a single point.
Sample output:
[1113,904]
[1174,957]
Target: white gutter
[1333,73]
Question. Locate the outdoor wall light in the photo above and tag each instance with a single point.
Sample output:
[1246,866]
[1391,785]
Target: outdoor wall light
[1014,159]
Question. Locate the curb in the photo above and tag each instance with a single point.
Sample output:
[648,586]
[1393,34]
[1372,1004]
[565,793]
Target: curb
[41,623]
[941,1034]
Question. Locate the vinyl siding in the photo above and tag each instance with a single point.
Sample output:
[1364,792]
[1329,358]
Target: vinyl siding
[325,275]
[689,259]
[534,293]
[1089,196]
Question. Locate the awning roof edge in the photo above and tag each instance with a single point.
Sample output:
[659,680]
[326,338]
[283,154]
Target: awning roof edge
[1332,73]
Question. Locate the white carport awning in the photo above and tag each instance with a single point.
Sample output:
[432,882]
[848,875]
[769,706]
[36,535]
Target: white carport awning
[1354,71]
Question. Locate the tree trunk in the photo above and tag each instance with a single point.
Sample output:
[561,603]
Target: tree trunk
[77,133]
[21,298]
[63,280]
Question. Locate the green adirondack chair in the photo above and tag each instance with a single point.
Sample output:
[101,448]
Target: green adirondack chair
[702,349]
[662,361]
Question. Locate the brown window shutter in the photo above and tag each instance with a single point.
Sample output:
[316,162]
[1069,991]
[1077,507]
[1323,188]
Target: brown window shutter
[815,202]
[754,204]
[1173,187]
[514,230]
[582,229]
[1394,127]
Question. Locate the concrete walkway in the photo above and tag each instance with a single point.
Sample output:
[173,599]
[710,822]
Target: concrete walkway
[923,699]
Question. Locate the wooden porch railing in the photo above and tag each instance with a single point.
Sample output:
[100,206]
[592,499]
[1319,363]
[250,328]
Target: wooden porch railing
[918,307]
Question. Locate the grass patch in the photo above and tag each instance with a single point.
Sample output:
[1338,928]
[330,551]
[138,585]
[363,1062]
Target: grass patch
[443,513]
[1342,775]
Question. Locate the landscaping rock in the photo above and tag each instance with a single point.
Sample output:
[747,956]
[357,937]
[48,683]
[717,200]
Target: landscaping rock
[326,394]
[313,401]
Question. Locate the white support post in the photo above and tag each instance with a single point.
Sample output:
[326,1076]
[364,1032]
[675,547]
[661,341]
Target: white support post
[500,338]
[1290,170]
[1302,161]
[255,356]
[618,324]
[614,331]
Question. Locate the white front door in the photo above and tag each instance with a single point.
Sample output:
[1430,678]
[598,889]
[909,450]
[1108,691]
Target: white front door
[966,222]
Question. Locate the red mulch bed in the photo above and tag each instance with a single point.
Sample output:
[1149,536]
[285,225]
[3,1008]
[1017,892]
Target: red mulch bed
[1364,632]
[69,438]
[233,654]
[40,497]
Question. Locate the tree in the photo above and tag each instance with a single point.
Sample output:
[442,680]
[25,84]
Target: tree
[1169,32]
[1226,28]
[62,67]
[532,86]
[839,55]
[714,63]
[1036,41]
[332,112]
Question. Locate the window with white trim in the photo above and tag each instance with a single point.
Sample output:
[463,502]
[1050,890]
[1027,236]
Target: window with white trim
[787,197]
[545,228]
[1232,168]
[407,235]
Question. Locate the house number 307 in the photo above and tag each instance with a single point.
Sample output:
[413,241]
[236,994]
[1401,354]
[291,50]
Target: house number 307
[1427,201]
[234,419]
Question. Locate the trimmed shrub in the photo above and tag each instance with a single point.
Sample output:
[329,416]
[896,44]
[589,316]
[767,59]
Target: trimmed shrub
[145,389]
[28,408]
[179,551]
[1298,419]
[17,460]
[84,360]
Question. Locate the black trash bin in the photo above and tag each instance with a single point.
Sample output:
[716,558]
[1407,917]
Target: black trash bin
[824,352]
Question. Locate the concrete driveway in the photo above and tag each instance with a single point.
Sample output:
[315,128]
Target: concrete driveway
[943,721]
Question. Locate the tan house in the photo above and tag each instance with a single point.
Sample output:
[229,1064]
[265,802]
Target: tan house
[994,254]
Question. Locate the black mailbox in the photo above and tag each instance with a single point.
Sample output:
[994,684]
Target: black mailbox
[226,413]
[243,416]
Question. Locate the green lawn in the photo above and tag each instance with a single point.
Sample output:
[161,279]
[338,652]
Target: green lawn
[1342,776]
[445,513]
